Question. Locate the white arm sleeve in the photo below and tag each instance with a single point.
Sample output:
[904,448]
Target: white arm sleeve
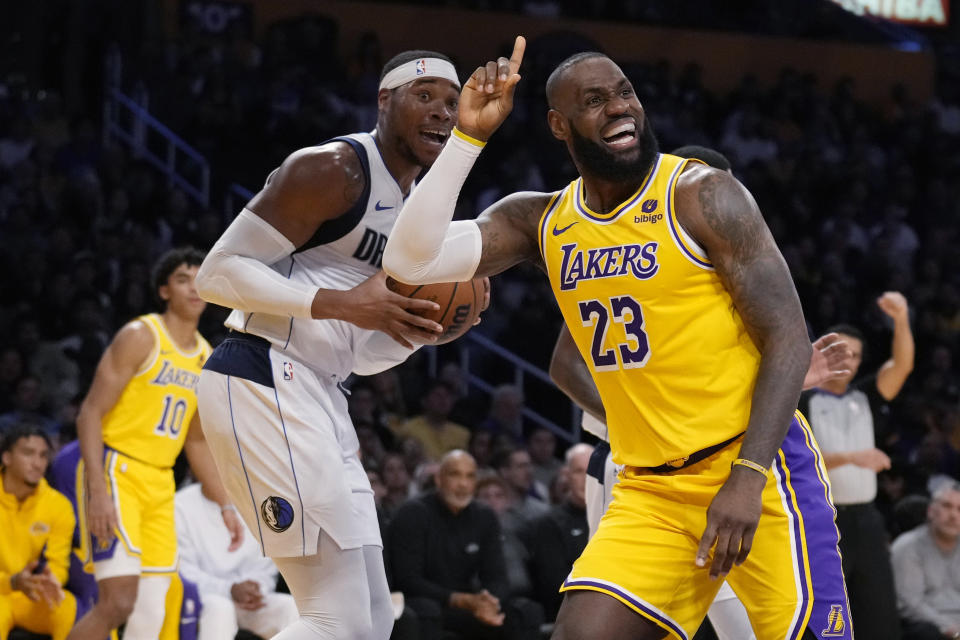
[424,245]
[236,272]
[378,352]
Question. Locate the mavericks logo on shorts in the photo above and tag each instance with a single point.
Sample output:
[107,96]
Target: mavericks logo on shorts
[277,513]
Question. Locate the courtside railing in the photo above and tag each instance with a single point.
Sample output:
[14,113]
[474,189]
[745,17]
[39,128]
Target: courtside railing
[128,121]
[525,375]
[236,196]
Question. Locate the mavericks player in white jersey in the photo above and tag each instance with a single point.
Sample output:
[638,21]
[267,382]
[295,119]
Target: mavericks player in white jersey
[300,266]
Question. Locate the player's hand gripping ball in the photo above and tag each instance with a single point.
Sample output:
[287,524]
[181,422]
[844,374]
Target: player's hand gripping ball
[460,303]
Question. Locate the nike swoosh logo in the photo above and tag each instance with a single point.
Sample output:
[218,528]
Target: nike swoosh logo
[379,208]
[557,232]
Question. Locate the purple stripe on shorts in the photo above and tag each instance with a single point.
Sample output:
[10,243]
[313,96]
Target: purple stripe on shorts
[103,552]
[830,612]
[786,488]
[611,588]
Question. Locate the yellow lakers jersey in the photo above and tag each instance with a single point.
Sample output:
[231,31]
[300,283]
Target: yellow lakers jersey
[669,353]
[150,420]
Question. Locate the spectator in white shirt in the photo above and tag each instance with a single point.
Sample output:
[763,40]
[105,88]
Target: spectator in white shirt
[237,589]
[926,567]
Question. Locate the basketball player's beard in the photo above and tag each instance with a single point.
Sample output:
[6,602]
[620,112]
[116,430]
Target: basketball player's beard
[603,164]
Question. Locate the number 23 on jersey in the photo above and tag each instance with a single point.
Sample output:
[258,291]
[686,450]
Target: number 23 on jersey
[624,310]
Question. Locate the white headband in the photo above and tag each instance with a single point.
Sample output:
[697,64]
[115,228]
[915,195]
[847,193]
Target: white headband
[417,69]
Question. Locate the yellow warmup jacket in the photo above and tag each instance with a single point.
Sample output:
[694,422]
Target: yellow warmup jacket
[45,517]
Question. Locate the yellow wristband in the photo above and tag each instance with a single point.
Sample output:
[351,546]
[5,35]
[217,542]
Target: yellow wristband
[749,464]
[470,139]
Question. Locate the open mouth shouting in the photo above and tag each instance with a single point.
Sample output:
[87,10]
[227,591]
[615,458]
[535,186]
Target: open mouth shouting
[622,134]
[434,136]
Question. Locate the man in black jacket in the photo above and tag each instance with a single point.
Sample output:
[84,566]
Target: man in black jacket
[445,555]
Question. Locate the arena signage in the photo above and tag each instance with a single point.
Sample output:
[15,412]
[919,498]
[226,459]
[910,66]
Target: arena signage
[216,16]
[924,13]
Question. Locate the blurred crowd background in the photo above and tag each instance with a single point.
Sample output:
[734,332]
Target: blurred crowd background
[862,197]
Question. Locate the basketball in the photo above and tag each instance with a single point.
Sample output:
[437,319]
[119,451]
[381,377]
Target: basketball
[460,303]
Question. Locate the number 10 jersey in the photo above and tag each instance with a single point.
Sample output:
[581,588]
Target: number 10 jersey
[150,420]
[668,351]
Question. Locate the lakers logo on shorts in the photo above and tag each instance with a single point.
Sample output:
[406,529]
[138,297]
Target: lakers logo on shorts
[834,622]
[277,513]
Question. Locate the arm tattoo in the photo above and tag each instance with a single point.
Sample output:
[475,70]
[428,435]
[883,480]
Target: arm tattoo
[509,231]
[757,278]
[732,218]
[748,262]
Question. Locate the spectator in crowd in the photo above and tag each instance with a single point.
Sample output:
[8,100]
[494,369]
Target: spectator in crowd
[910,512]
[58,373]
[845,417]
[372,449]
[11,369]
[37,524]
[515,467]
[390,396]
[559,487]
[421,468]
[556,538]
[16,147]
[237,588]
[470,403]
[379,491]
[365,406]
[505,418]
[27,407]
[492,491]
[397,483]
[926,566]
[446,556]
[541,445]
[433,428]
[481,448]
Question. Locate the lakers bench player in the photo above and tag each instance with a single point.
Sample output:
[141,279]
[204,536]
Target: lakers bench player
[140,412]
[679,300]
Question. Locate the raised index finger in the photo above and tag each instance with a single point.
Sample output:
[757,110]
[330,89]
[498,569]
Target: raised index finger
[519,46]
